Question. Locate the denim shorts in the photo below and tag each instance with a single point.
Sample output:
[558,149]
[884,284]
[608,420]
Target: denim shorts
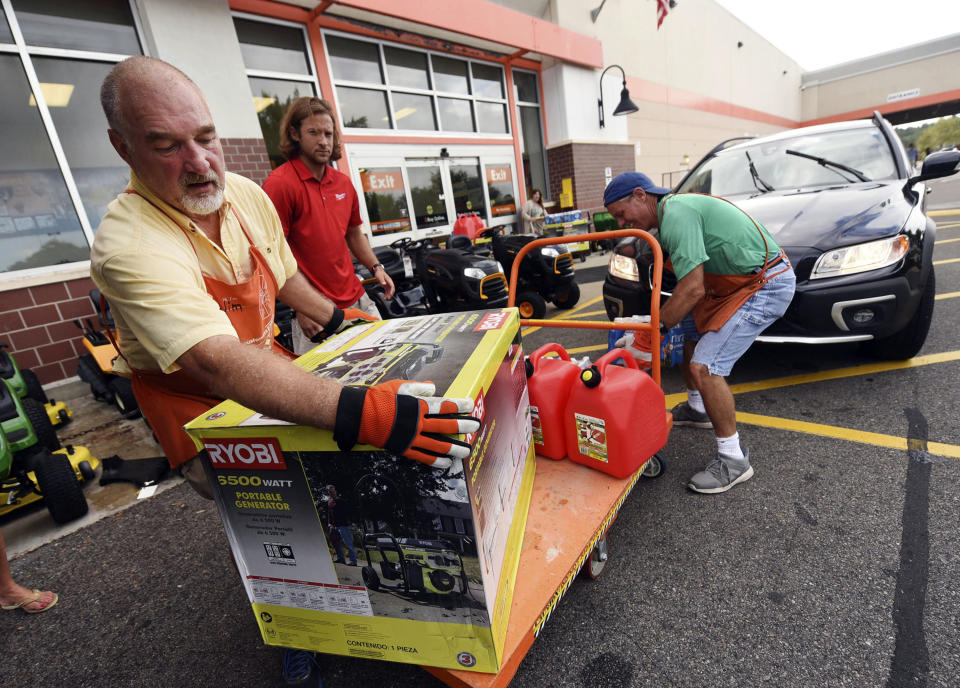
[719,350]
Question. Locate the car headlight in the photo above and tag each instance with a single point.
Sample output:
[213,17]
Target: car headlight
[500,268]
[624,268]
[555,250]
[474,273]
[860,258]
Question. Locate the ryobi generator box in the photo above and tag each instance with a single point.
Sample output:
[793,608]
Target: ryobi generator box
[370,554]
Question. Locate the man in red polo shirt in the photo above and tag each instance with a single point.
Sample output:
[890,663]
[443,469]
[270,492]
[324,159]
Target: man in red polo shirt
[320,213]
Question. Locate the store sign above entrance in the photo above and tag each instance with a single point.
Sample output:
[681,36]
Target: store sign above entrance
[903,95]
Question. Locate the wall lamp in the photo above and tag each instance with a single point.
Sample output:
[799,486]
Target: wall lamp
[626,105]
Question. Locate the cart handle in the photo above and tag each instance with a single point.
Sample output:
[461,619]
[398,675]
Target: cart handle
[653,325]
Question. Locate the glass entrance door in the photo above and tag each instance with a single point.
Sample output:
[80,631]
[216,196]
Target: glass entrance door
[426,191]
[466,183]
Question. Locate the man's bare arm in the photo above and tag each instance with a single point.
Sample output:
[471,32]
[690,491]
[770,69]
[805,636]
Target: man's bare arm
[686,295]
[360,248]
[262,380]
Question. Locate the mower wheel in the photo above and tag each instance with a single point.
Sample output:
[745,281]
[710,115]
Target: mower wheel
[126,402]
[598,558]
[34,388]
[37,415]
[58,484]
[655,467]
[567,298]
[86,470]
[531,305]
[370,578]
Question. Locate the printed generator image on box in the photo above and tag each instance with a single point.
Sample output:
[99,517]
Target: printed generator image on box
[366,553]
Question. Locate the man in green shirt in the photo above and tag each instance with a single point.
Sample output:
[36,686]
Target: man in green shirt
[732,282]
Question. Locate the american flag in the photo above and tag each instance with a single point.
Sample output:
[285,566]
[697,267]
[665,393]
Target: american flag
[663,6]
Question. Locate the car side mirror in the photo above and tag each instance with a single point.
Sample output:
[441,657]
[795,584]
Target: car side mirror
[936,165]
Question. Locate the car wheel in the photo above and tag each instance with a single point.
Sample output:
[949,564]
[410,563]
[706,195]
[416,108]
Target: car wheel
[123,397]
[567,298]
[37,415]
[531,305]
[34,388]
[58,483]
[907,342]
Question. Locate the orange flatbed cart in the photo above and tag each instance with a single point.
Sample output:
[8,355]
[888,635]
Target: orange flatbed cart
[571,507]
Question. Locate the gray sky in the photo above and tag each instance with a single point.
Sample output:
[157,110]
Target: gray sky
[821,33]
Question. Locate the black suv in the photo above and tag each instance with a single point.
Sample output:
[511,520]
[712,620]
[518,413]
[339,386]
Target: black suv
[840,200]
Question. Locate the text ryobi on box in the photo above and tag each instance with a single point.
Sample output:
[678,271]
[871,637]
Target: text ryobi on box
[262,453]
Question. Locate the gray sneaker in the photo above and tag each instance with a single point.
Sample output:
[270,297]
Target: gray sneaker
[684,415]
[723,473]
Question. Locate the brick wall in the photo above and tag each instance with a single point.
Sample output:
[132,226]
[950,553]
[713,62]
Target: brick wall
[37,324]
[585,163]
[247,157]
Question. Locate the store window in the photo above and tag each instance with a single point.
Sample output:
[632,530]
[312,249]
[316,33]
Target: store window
[381,86]
[95,25]
[386,199]
[72,91]
[531,132]
[58,170]
[280,70]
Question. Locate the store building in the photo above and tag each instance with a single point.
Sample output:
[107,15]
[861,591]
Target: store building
[446,107]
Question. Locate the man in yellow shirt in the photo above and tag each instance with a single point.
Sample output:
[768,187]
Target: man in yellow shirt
[191,257]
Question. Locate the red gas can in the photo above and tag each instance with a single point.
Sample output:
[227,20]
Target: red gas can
[615,418]
[549,383]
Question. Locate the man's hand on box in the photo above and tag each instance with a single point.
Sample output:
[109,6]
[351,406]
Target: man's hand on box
[405,418]
[339,321]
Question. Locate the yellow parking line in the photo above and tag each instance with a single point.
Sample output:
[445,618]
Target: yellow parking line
[565,315]
[850,371]
[949,295]
[941,213]
[947,241]
[947,225]
[589,313]
[944,262]
[860,436]
[587,349]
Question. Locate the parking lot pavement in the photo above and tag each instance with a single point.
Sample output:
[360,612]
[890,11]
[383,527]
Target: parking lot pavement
[837,565]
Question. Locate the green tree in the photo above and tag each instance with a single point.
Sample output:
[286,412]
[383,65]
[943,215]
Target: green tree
[944,132]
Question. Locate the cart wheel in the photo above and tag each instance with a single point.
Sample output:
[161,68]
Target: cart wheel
[655,467]
[598,558]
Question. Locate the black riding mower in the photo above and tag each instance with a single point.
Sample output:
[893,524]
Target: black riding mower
[546,273]
[429,279]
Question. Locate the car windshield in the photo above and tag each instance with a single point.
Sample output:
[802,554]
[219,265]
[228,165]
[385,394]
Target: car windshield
[762,167]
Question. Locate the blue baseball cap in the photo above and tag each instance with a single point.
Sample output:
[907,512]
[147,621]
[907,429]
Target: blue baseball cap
[624,184]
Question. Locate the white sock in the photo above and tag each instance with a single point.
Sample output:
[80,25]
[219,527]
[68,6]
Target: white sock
[730,446]
[695,400]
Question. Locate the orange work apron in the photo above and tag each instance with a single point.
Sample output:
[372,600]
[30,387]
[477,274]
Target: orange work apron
[725,294]
[170,400]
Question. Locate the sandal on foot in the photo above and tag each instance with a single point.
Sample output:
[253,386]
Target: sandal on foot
[30,599]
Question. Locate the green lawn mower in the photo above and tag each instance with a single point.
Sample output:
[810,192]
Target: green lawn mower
[26,385]
[32,464]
